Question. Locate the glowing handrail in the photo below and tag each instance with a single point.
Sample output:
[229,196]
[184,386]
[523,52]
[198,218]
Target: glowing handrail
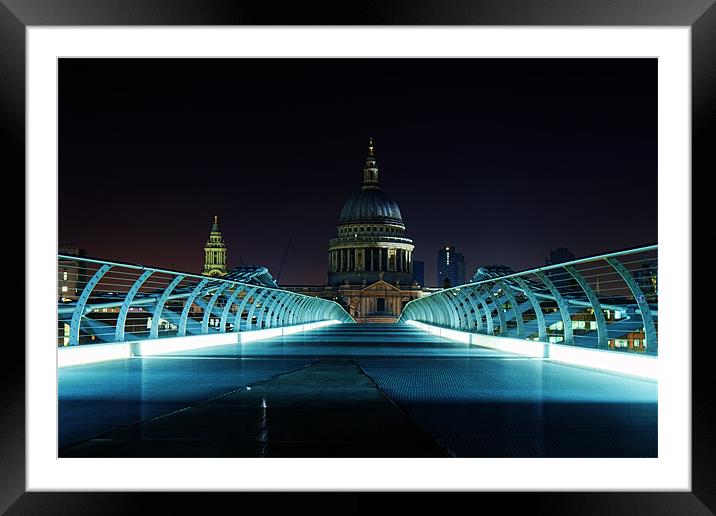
[122,288]
[635,300]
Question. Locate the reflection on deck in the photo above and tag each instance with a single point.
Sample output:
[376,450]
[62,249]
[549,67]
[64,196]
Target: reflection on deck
[353,391]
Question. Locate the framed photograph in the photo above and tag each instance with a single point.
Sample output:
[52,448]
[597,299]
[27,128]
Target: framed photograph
[389,248]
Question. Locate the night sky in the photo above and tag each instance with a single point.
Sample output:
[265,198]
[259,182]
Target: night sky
[505,159]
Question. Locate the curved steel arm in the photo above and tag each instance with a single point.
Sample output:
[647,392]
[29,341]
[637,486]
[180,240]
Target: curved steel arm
[476,315]
[488,312]
[275,308]
[541,326]
[187,306]
[74,338]
[310,309]
[210,307]
[124,310]
[227,308]
[500,313]
[252,308]
[283,317]
[436,315]
[515,307]
[297,312]
[453,321]
[652,342]
[463,310]
[602,335]
[273,303]
[240,309]
[567,332]
[157,314]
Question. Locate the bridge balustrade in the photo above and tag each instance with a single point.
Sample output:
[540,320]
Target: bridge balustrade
[606,302]
[103,302]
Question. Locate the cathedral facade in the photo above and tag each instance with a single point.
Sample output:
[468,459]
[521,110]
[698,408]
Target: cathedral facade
[370,260]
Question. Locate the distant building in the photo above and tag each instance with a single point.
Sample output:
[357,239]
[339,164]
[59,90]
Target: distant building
[370,260]
[451,267]
[71,274]
[559,255]
[419,272]
[564,281]
[215,252]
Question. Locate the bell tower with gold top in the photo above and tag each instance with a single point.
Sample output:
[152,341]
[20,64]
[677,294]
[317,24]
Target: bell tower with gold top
[215,252]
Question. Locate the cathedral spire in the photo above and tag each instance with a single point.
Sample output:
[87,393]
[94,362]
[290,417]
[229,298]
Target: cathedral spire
[370,172]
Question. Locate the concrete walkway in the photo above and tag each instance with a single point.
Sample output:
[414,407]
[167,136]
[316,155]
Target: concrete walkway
[327,409]
[353,391]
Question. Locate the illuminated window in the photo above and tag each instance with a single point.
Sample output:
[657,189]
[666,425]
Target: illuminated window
[592,325]
[637,343]
[64,289]
[64,276]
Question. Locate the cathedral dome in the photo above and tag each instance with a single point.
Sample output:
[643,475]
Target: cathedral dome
[371,245]
[370,206]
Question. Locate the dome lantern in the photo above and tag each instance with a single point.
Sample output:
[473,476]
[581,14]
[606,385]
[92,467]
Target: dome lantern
[371,204]
[370,172]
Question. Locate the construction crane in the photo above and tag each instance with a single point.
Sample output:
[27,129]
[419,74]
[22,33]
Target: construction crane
[283,259]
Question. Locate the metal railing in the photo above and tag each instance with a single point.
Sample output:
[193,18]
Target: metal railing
[101,301]
[607,302]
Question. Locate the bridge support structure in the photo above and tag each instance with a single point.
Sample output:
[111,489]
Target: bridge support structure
[103,302]
[607,302]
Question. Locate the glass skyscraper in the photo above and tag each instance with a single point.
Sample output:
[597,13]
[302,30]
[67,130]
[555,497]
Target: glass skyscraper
[451,267]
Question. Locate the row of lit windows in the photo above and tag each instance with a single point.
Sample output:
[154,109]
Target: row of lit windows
[624,343]
[576,325]
[366,229]
[618,343]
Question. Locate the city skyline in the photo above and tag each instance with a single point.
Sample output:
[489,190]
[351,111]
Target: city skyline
[276,160]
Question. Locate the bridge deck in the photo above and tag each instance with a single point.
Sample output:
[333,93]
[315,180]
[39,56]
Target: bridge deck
[353,390]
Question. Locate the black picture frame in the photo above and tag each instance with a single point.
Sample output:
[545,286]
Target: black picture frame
[17,15]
